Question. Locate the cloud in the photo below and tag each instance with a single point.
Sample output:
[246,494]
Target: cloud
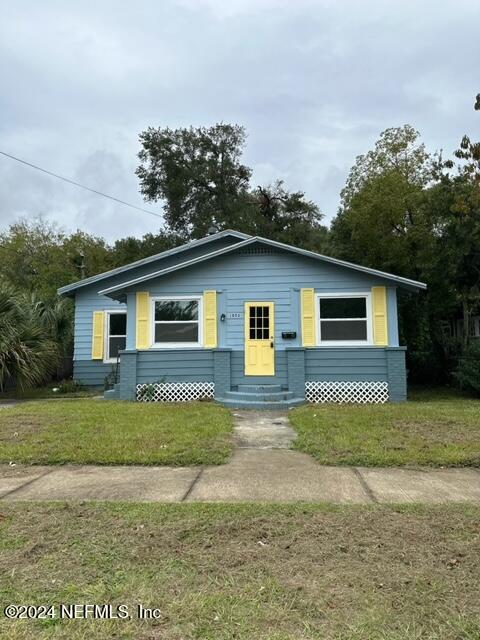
[314,82]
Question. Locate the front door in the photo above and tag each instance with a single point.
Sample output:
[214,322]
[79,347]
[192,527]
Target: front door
[259,337]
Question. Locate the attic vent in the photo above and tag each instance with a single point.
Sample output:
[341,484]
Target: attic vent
[256,251]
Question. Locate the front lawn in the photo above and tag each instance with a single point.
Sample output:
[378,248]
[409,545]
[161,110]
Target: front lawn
[434,428]
[47,392]
[263,572]
[102,432]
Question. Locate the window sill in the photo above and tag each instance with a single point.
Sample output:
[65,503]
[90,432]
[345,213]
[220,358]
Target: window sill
[326,345]
[175,345]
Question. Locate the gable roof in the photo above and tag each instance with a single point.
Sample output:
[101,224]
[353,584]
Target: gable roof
[69,288]
[399,280]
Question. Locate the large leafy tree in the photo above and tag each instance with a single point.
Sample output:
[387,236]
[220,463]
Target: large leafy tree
[405,211]
[461,228]
[196,172]
[390,219]
[383,220]
[126,250]
[276,213]
[39,257]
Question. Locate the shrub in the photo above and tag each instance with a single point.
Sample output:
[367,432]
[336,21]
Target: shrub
[69,386]
[29,353]
[467,373]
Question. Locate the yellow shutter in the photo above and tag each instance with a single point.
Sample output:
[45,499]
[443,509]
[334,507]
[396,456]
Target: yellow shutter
[98,335]
[210,319]
[308,317]
[380,316]
[143,320]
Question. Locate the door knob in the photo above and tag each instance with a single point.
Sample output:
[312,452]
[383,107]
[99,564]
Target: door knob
[271,343]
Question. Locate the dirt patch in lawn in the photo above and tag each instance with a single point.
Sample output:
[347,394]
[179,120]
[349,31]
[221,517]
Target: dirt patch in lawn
[440,432]
[247,571]
[16,428]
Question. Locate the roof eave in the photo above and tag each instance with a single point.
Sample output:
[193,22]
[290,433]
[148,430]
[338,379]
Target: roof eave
[405,283]
[69,289]
[176,267]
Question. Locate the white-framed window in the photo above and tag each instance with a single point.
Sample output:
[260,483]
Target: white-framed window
[115,333]
[177,321]
[344,319]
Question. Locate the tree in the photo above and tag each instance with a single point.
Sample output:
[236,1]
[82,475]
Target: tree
[383,221]
[196,172]
[130,249]
[40,257]
[276,213]
[29,354]
[390,219]
[404,211]
[461,230]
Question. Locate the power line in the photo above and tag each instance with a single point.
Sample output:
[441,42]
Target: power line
[82,186]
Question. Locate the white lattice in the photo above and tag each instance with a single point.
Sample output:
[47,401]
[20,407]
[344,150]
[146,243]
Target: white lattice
[175,391]
[362,392]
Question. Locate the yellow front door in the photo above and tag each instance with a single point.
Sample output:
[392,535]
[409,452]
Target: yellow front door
[259,339]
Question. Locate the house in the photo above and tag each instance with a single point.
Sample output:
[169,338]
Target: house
[245,320]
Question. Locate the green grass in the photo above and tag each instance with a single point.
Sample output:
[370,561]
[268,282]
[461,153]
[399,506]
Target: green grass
[435,428]
[101,432]
[46,392]
[244,572]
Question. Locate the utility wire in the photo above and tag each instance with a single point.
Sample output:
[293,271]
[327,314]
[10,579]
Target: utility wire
[82,186]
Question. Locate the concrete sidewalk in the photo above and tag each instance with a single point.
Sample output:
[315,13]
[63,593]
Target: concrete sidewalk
[263,469]
[276,475]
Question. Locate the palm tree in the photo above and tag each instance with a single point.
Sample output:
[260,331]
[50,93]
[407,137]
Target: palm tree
[29,353]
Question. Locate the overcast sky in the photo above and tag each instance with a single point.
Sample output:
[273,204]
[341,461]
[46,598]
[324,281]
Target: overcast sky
[313,82]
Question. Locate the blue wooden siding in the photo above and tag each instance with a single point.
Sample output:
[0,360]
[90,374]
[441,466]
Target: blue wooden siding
[172,365]
[91,373]
[87,300]
[346,363]
[276,276]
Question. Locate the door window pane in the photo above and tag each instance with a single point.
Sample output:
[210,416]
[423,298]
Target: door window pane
[259,328]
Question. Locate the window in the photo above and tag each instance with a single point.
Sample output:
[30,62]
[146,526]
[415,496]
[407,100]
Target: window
[344,319]
[259,318]
[115,334]
[177,322]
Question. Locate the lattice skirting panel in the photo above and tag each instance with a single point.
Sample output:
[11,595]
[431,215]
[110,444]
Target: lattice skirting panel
[175,391]
[362,392]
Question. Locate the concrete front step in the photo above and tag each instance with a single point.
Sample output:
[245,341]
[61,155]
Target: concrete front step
[277,396]
[259,388]
[238,403]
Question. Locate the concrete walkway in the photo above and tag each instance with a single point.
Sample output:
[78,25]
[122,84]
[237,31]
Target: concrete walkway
[262,430]
[262,468]
[276,475]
